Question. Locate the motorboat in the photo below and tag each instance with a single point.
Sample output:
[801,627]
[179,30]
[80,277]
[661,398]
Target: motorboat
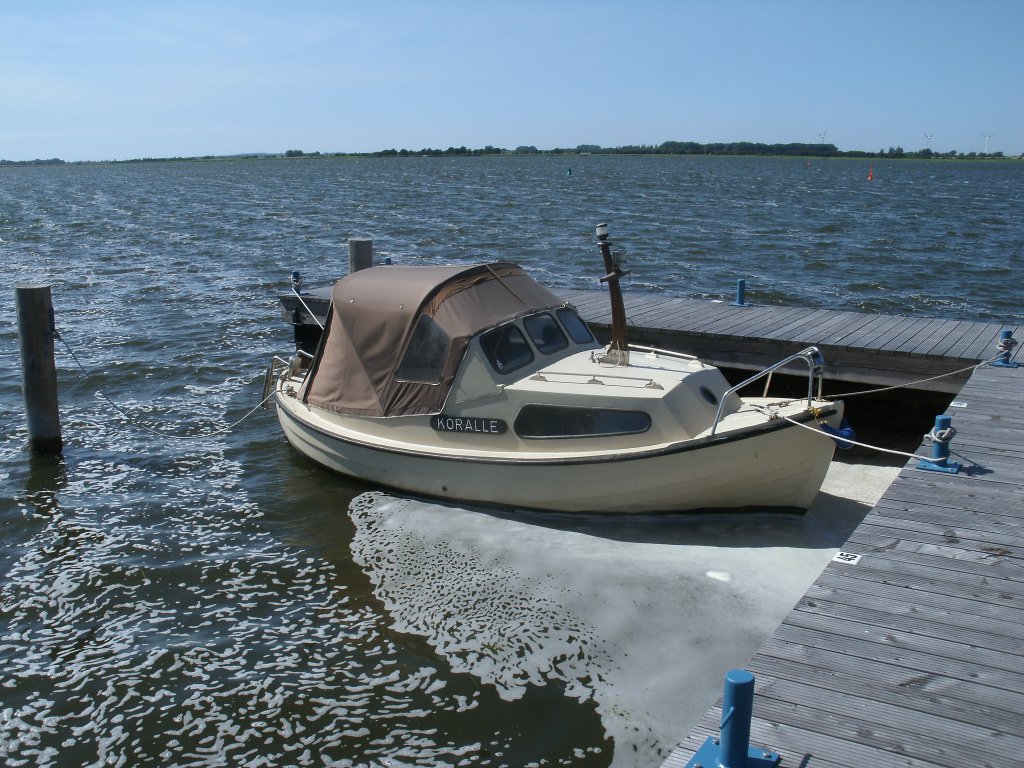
[477,385]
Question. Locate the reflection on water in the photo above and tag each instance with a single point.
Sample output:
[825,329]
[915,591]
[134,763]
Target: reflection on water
[643,615]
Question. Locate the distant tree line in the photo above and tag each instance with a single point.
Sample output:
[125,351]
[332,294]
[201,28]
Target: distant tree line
[51,161]
[687,148]
[665,148]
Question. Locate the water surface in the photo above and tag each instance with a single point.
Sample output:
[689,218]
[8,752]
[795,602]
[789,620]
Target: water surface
[174,596]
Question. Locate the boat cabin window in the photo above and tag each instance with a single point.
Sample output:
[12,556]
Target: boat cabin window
[506,348]
[577,329]
[425,356]
[548,421]
[545,334]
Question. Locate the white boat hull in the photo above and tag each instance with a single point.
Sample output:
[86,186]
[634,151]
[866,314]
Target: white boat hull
[775,465]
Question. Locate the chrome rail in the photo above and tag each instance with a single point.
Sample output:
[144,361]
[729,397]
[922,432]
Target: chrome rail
[277,366]
[662,352]
[815,371]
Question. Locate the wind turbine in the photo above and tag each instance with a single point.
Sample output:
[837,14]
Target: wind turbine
[987,137]
[822,136]
[929,137]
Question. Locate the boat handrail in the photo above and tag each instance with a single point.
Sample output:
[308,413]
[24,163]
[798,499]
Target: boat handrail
[815,370]
[663,352]
[278,365]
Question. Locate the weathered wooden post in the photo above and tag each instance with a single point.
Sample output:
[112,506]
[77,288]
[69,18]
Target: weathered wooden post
[360,253]
[36,332]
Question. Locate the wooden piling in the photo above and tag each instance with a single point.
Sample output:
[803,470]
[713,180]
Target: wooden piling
[360,253]
[38,369]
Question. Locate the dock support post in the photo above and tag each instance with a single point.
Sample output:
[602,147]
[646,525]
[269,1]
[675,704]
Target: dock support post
[36,332]
[1006,345]
[941,434]
[731,749]
[741,293]
[360,253]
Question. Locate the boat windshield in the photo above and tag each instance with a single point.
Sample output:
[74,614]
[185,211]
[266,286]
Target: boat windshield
[506,348]
[577,329]
[545,334]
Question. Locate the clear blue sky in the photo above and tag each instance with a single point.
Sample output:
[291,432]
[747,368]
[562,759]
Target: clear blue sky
[116,80]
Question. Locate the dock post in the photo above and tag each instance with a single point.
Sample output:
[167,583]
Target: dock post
[1005,346]
[741,293]
[360,253]
[731,749]
[941,434]
[36,332]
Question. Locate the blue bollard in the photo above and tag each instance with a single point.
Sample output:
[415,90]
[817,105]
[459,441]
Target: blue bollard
[1006,345]
[741,293]
[941,434]
[732,749]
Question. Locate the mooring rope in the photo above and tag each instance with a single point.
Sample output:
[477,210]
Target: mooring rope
[847,441]
[297,296]
[818,431]
[147,428]
[848,395]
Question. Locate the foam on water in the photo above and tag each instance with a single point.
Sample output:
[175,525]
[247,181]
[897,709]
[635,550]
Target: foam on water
[642,616]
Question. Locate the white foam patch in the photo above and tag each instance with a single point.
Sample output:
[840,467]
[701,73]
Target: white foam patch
[644,615]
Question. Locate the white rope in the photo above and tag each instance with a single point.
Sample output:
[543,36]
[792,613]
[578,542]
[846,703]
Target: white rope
[307,308]
[818,431]
[147,428]
[848,395]
[940,435]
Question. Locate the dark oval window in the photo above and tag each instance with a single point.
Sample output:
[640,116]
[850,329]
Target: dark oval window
[708,395]
[542,421]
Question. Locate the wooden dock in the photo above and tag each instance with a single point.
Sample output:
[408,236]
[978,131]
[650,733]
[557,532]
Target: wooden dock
[880,350]
[913,656]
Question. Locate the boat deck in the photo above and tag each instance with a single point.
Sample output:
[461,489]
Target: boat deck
[913,655]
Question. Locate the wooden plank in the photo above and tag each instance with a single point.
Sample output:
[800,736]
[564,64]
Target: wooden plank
[860,334]
[755,320]
[941,336]
[919,341]
[804,323]
[816,335]
[906,330]
[975,346]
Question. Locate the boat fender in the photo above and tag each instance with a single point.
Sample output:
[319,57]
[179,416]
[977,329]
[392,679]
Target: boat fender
[842,435]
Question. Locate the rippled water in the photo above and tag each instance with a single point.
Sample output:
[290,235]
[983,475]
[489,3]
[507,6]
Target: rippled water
[219,600]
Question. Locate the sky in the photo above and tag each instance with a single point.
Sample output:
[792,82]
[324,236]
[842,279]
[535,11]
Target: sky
[108,80]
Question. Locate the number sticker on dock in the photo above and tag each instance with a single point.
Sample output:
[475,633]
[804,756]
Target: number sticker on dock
[846,557]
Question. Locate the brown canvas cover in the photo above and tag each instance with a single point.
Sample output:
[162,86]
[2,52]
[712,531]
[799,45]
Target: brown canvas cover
[374,313]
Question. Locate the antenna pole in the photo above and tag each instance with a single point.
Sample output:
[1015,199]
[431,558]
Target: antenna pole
[619,347]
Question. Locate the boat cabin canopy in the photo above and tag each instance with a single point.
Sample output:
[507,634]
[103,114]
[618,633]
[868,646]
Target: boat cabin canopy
[396,335]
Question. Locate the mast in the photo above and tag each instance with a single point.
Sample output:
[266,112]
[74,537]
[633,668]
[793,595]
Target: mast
[618,350]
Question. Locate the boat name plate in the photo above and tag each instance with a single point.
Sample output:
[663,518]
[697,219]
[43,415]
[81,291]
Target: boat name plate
[482,425]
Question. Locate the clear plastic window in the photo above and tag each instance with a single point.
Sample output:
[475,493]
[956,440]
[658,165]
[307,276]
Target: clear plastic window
[545,333]
[425,356]
[506,348]
[578,330]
